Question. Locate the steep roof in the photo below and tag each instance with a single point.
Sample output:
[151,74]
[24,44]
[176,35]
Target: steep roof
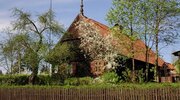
[139,46]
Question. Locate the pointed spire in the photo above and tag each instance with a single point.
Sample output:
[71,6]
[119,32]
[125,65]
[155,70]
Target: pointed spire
[82,10]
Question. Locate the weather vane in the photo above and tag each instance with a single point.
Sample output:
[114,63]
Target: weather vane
[81,10]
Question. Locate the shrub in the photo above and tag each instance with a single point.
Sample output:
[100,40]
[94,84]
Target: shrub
[85,81]
[71,81]
[126,75]
[43,80]
[64,70]
[140,76]
[14,80]
[110,77]
[57,79]
[79,81]
[23,80]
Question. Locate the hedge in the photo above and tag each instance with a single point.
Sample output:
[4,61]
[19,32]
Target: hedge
[23,80]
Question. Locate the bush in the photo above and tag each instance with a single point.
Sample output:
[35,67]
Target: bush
[43,80]
[140,76]
[71,81]
[78,81]
[23,80]
[85,81]
[14,80]
[110,77]
[63,72]
[57,79]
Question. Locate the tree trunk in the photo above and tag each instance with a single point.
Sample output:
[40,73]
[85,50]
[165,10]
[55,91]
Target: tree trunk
[19,62]
[157,23]
[133,62]
[53,69]
[33,76]
[146,54]
[132,52]
[147,65]
[156,62]
[157,50]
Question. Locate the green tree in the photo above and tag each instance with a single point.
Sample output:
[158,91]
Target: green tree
[145,18]
[177,66]
[124,13]
[14,49]
[7,52]
[155,20]
[4,59]
[164,23]
[36,30]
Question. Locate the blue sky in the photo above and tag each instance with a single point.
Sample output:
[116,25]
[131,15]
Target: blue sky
[66,11]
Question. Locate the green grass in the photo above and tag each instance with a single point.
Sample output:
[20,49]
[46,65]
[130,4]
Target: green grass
[102,86]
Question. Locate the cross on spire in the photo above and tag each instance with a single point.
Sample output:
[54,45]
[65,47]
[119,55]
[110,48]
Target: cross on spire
[82,10]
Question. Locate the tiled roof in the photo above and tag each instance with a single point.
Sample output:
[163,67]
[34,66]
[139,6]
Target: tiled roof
[139,45]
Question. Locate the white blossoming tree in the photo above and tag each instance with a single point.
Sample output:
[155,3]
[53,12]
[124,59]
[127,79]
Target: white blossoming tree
[95,45]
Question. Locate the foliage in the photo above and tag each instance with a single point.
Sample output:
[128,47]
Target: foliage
[155,21]
[14,80]
[43,80]
[125,13]
[13,50]
[57,79]
[78,81]
[140,76]
[29,44]
[177,66]
[126,75]
[110,77]
[164,22]
[63,72]
[121,61]
[65,52]
[23,80]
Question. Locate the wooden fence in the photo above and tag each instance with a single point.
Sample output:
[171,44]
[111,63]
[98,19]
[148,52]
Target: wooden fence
[89,94]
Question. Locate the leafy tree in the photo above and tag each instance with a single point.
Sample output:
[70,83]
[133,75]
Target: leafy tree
[164,23]
[177,66]
[146,31]
[16,47]
[36,30]
[64,52]
[124,13]
[7,52]
[155,20]
[4,60]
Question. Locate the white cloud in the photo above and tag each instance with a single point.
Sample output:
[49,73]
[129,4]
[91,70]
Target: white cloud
[27,3]
[4,19]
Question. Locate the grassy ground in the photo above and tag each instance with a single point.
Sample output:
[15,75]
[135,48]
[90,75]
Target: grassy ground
[96,86]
